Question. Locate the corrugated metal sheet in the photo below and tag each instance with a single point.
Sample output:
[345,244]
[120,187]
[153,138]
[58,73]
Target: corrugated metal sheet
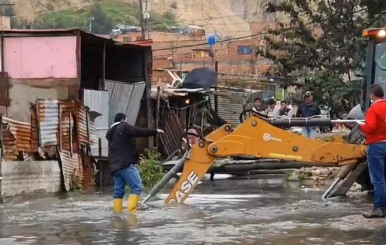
[125,98]
[67,124]
[71,169]
[34,130]
[171,140]
[22,133]
[82,124]
[10,152]
[48,121]
[135,103]
[86,171]
[93,133]
[230,105]
[98,101]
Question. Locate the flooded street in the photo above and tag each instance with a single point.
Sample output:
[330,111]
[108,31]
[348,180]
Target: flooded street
[242,211]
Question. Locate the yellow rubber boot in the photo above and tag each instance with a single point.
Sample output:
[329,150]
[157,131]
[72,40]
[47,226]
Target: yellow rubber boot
[118,205]
[132,204]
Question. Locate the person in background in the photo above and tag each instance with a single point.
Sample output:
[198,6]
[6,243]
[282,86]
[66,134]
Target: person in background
[259,106]
[192,137]
[273,109]
[288,101]
[123,157]
[308,109]
[284,110]
[374,129]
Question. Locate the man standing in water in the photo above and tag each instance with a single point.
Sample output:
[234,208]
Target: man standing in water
[123,157]
[374,129]
[308,109]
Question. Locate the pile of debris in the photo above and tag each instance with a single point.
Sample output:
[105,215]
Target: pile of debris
[317,175]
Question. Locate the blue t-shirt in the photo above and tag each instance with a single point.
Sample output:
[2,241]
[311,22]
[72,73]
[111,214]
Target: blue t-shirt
[308,110]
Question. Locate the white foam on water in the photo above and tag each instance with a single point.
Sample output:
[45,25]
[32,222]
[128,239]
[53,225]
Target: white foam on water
[218,176]
[215,198]
[225,196]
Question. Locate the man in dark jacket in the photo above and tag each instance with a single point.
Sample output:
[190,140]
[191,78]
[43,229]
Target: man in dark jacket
[123,157]
[374,129]
[308,109]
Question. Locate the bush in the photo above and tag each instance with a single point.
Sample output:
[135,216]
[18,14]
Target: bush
[149,169]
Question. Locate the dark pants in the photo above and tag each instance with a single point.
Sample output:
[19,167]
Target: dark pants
[376,157]
[129,176]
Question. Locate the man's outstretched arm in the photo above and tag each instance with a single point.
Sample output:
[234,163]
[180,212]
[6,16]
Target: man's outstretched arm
[136,132]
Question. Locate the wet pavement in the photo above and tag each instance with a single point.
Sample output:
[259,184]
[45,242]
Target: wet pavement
[238,211]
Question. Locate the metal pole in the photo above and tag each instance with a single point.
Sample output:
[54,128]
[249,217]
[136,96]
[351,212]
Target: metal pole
[216,97]
[146,20]
[100,163]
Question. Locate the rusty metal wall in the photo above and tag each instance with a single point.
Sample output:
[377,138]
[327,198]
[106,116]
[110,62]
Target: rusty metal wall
[59,125]
[21,132]
[86,171]
[171,140]
[82,124]
[67,125]
[9,140]
[34,130]
[125,98]
[70,169]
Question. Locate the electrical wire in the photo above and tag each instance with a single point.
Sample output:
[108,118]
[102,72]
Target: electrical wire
[200,44]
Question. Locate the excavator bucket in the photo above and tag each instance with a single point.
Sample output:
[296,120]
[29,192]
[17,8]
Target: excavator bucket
[350,174]
[346,178]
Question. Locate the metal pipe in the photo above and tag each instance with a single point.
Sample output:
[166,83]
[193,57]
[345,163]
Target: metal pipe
[347,121]
[306,122]
[167,177]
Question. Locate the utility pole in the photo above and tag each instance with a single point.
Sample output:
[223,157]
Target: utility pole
[142,22]
[146,19]
[90,24]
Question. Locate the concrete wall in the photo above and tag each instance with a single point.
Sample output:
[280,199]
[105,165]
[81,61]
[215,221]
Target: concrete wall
[23,92]
[30,176]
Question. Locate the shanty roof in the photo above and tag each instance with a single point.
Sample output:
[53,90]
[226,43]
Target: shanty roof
[24,32]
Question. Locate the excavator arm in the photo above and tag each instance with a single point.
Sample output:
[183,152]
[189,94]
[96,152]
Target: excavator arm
[256,137]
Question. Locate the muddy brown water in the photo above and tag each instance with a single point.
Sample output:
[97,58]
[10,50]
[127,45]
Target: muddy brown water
[237,211]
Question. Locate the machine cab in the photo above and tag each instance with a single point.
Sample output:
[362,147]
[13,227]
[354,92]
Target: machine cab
[375,68]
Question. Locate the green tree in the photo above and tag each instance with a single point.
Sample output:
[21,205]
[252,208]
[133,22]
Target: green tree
[101,23]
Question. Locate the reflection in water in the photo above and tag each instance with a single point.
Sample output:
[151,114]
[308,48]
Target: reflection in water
[228,212]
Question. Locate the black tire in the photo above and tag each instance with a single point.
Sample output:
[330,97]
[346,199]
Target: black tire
[356,137]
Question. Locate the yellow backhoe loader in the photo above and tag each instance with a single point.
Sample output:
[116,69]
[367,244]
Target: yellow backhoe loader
[263,138]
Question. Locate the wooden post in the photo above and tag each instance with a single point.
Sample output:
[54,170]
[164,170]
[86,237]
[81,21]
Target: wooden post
[1,157]
[100,162]
[157,115]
